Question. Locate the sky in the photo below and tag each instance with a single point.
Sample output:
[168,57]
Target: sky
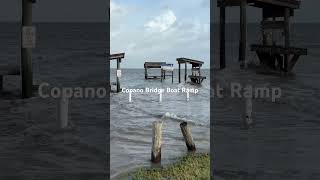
[161,30]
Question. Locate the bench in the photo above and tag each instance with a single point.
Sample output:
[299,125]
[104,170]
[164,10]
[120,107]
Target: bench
[8,70]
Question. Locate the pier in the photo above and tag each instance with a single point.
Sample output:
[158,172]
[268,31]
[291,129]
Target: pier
[164,68]
[196,72]
[276,15]
[118,57]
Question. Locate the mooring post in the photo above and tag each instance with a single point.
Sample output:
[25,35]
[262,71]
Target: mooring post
[156,141]
[1,83]
[185,72]
[63,111]
[26,53]
[286,37]
[222,37]
[172,76]
[243,33]
[188,96]
[118,78]
[145,73]
[161,76]
[179,73]
[248,111]
[186,132]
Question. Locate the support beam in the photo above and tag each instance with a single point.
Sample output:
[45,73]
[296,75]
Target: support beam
[286,37]
[118,78]
[145,73]
[222,37]
[1,83]
[26,53]
[172,76]
[243,33]
[185,72]
[179,73]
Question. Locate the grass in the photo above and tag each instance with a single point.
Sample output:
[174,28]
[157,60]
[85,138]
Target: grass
[193,166]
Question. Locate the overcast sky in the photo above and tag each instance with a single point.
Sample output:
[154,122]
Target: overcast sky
[161,30]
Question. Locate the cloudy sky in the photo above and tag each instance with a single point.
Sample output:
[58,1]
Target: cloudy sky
[161,30]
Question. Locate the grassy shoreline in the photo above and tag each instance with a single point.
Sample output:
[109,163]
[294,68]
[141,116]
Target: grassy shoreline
[191,166]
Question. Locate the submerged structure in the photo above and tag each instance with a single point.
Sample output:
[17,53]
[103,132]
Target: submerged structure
[195,77]
[118,57]
[162,66]
[276,14]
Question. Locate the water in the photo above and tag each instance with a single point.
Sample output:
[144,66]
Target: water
[283,143]
[32,147]
[131,123]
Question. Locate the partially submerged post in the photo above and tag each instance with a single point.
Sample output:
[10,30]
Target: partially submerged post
[63,111]
[187,136]
[156,141]
[26,49]
[196,72]
[117,57]
[248,111]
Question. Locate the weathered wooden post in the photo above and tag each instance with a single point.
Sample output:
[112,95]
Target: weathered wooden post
[156,141]
[187,136]
[118,78]
[222,37]
[243,33]
[179,73]
[1,83]
[185,72]
[145,73]
[26,52]
[172,76]
[286,37]
[248,111]
[188,96]
[63,111]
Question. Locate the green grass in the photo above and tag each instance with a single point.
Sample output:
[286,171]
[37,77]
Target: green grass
[193,166]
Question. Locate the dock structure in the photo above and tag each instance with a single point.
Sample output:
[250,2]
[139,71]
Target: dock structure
[195,77]
[162,66]
[276,15]
[118,57]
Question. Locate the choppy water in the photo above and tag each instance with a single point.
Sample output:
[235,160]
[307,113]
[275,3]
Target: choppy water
[32,145]
[131,123]
[283,143]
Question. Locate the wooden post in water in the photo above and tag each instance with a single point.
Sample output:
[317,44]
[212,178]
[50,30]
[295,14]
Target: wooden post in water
[156,141]
[172,76]
[26,53]
[286,37]
[118,78]
[179,73]
[63,111]
[187,136]
[185,72]
[1,83]
[222,37]
[243,33]
[145,73]
[248,111]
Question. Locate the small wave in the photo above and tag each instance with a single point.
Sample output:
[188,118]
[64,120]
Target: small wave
[173,116]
